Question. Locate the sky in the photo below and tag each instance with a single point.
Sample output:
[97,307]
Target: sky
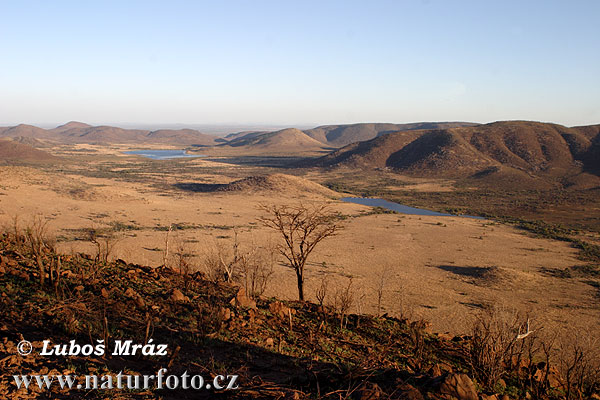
[299,62]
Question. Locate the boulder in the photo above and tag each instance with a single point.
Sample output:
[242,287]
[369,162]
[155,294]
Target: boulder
[408,392]
[279,309]
[459,386]
[241,300]
[177,296]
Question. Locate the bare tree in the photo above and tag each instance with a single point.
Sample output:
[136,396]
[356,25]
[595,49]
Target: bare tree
[343,300]
[256,269]
[321,292]
[302,229]
[222,263]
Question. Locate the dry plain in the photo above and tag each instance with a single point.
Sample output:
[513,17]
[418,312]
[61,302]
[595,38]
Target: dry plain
[442,269]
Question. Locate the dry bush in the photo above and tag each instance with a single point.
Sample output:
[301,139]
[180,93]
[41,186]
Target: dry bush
[579,364]
[41,244]
[302,228]
[221,262]
[343,300]
[256,269]
[321,292]
[251,267]
[383,277]
[496,341]
[104,240]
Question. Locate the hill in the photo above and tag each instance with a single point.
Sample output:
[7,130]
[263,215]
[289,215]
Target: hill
[24,130]
[535,152]
[342,135]
[277,183]
[284,141]
[79,132]
[12,151]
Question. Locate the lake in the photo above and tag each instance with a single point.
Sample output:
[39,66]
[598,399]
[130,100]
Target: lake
[389,205]
[163,154]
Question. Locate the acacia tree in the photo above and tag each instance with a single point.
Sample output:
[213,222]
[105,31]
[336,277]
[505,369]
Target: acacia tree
[302,229]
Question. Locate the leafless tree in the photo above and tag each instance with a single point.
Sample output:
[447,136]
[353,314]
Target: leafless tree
[382,280]
[256,269]
[343,300]
[302,228]
[321,292]
[223,262]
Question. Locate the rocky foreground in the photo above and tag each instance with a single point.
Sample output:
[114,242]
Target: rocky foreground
[279,350]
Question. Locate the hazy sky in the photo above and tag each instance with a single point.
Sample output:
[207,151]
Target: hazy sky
[299,62]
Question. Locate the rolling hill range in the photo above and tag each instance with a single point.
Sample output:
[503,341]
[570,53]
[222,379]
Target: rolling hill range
[519,152]
[78,132]
[342,135]
[13,151]
[289,140]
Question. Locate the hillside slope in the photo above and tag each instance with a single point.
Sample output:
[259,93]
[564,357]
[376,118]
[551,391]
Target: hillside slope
[78,132]
[341,135]
[522,149]
[13,151]
[286,140]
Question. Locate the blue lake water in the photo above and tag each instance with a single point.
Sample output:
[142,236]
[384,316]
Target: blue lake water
[389,205]
[163,154]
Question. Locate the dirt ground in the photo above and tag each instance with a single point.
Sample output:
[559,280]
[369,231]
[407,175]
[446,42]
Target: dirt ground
[442,269]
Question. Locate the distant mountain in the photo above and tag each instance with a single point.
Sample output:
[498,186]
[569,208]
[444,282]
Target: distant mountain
[71,125]
[342,135]
[286,140]
[24,130]
[520,151]
[79,132]
[12,151]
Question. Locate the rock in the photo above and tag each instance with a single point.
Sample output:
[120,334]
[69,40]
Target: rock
[490,397]
[408,392]
[104,293]
[130,293]
[177,296]
[139,302]
[269,342]
[241,300]
[279,309]
[501,385]
[369,391]
[459,386]
[225,313]
[435,371]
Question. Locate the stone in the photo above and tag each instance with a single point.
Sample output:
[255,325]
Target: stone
[177,296]
[139,302]
[225,313]
[490,397]
[435,371]
[369,391]
[279,309]
[459,386]
[408,392]
[241,300]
